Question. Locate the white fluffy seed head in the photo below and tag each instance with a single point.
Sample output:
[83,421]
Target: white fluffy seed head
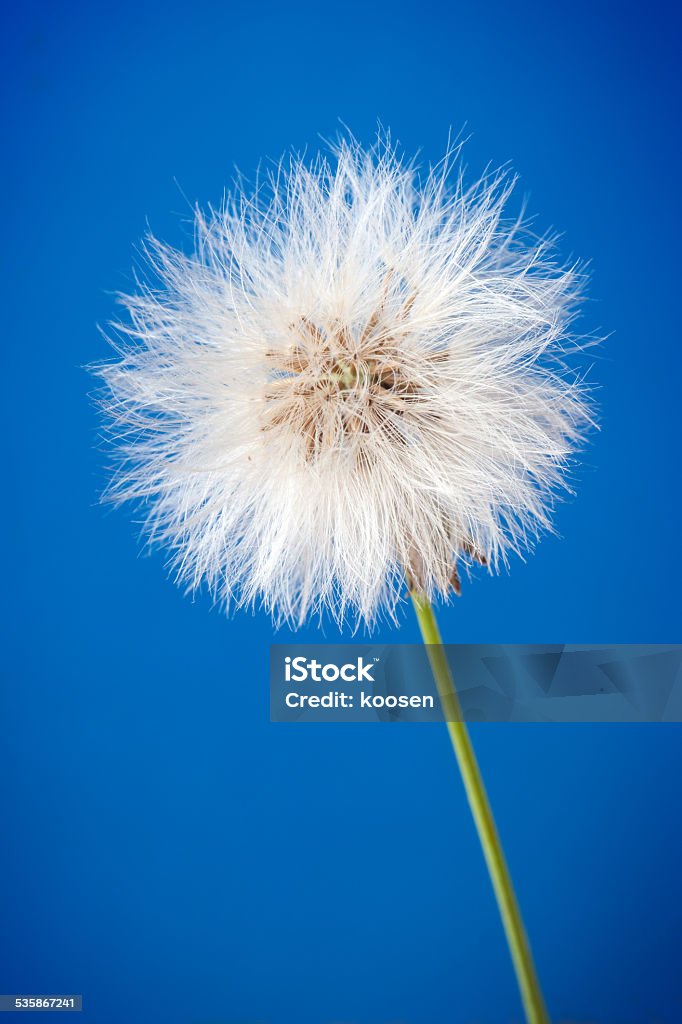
[359,373]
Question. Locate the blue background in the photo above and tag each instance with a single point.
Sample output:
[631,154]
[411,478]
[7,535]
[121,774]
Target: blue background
[165,849]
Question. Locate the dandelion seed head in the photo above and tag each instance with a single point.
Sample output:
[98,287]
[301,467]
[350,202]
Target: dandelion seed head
[360,372]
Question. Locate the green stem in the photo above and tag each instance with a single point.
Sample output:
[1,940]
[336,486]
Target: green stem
[531,995]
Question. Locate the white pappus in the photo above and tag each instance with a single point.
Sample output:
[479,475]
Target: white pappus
[359,373]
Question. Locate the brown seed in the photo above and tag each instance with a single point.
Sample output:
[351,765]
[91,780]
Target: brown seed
[407,306]
[468,548]
[455,581]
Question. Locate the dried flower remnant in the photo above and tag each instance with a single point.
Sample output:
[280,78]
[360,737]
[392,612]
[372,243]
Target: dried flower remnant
[358,372]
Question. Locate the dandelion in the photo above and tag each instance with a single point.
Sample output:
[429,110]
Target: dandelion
[360,376]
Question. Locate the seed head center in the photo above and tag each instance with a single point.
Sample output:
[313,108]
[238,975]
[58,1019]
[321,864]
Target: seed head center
[333,388]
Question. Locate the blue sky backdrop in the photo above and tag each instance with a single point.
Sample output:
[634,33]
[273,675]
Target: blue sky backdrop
[164,849]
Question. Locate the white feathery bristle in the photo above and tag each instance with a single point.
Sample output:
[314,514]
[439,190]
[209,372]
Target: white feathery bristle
[359,373]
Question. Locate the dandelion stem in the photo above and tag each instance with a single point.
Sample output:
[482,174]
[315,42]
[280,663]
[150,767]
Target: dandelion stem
[517,940]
